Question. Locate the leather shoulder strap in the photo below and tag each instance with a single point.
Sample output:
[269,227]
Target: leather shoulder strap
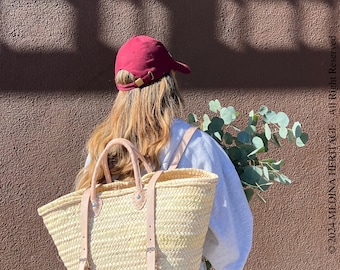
[84,229]
[150,220]
[182,146]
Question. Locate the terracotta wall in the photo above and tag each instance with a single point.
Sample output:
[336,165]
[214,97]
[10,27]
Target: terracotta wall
[56,62]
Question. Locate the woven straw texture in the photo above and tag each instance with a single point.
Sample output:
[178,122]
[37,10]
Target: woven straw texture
[117,236]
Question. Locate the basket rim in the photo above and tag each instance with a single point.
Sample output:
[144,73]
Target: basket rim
[122,188]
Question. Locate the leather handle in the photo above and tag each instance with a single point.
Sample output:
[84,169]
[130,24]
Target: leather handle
[106,168]
[134,155]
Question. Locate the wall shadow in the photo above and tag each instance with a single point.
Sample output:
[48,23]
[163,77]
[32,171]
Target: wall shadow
[90,68]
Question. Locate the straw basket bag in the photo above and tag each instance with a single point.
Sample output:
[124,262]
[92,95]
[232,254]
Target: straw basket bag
[157,222]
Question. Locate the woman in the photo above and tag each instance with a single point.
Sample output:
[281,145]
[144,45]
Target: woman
[146,112]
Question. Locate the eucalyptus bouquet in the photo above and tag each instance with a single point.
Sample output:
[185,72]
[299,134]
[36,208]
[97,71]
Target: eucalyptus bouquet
[263,129]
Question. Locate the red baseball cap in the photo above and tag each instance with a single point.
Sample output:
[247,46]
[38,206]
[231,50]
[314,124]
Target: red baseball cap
[147,59]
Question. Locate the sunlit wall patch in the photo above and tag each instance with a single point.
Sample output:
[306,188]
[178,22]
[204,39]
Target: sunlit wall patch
[231,22]
[140,18]
[272,25]
[38,26]
[315,23]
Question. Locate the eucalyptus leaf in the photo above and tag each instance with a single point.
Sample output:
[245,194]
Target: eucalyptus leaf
[257,150]
[234,153]
[257,142]
[277,165]
[228,138]
[267,131]
[297,129]
[302,140]
[246,148]
[192,118]
[281,178]
[268,160]
[290,135]
[251,174]
[282,119]
[270,117]
[249,194]
[252,118]
[218,136]
[284,179]
[304,137]
[215,105]
[215,125]
[244,159]
[283,131]
[265,172]
[280,162]
[251,115]
[263,184]
[255,119]
[250,129]
[263,110]
[244,137]
[265,141]
[206,122]
[228,114]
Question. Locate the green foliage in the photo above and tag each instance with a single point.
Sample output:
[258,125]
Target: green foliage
[263,129]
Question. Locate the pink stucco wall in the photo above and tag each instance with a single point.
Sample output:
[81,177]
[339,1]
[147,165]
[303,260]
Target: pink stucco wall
[56,61]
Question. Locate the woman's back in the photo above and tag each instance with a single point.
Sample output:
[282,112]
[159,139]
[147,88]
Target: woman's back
[229,237]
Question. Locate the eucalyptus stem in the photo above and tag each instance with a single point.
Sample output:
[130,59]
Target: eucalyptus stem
[263,126]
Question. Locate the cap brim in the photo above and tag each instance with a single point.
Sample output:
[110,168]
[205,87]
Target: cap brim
[181,67]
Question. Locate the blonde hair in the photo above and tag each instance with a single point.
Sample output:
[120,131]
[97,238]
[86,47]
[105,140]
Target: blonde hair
[143,116]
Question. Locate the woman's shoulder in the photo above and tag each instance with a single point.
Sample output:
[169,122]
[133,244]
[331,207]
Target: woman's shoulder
[179,126]
[199,141]
[202,151]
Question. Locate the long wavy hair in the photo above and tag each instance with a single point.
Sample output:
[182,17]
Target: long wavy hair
[144,117]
